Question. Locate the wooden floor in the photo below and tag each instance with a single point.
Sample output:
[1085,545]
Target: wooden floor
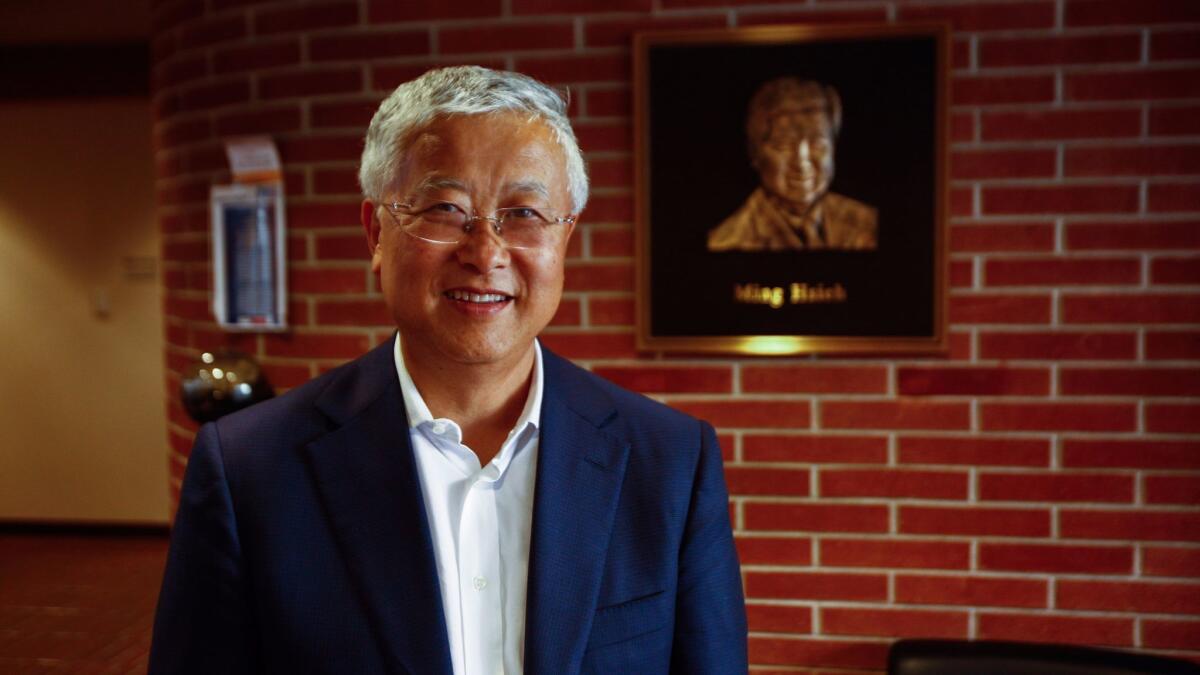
[78,603]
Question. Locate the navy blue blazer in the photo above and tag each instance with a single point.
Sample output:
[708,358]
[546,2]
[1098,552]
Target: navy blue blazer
[301,544]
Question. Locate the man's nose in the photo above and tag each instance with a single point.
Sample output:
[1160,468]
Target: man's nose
[803,153]
[482,248]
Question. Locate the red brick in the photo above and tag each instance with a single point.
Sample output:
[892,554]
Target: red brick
[604,137]
[618,32]
[1132,85]
[259,121]
[1183,490]
[178,193]
[350,114]
[211,32]
[1058,417]
[1132,454]
[306,18]
[386,77]
[1061,124]
[364,47]
[975,521]
[1033,200]
[386,11]
[816,586]
[984,164]
[962,202]
[733,413]
[1056,558]
[1173,197]
[571,69]
[1175,45]
[326,281]
[316,345]
[1141,160]
[342,247]
[825,653]
[186,251]
[567,314]
[611,311]
[1062,272]
[1055,487]
[353,313]
[751,17]
[180,71]
[971,591]
[1165,634]
[285,375]
[779,618]
[817,449]
[903,414]
[590,345]
[893,483]
[1133,236]
[1175,120]
[310,83]
[1131,309]
[774,551]
[984,16]
[1178,271]
[815,379]
[978,381]
[1182,418]
[991,90]
[256,57]
[816,517]
[670,379]
[335,181]
[962,127]
[1129,381]
[744,480]
[1050,628]
[611,102]
[599,277]
[1000,309]
[610,209]
[974,451]
[1010,52]
[1058,346]
[962,274]
[1171,561]
[1127,525]
[343,214]
[1173,345]
[893,622]
[617,172]
[1017,237]
[1125,596]
[608,243]
[895,553]
[506,37]
[1125,12]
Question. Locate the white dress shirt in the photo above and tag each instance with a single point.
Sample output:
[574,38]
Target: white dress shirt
[480,521]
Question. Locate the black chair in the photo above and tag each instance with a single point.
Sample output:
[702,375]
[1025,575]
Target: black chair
[989,657]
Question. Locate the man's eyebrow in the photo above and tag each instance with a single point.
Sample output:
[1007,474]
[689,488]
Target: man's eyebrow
[528,186]
[441,183]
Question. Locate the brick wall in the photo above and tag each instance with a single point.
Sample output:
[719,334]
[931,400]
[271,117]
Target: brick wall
[1040,483]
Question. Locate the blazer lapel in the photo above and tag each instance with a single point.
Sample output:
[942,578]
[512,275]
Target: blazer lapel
[368,481]
[579,474]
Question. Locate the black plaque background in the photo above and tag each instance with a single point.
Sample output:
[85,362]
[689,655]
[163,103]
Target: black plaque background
[699,174]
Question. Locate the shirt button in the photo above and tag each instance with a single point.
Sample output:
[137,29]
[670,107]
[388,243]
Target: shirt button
[439,428]
[479,583]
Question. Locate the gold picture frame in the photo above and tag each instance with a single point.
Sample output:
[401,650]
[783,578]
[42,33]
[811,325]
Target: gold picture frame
[791,189]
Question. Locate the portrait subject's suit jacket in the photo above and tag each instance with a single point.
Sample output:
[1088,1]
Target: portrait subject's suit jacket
[301,544]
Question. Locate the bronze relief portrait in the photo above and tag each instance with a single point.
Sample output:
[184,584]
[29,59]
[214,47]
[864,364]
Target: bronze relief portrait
[792,128]
[791,189]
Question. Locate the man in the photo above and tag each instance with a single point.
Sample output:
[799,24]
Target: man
[459,500]
[791,129]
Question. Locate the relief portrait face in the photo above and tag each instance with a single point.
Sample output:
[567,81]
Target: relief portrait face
[795,161]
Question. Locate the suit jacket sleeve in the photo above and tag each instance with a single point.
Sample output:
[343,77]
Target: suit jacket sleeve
[710,613]
[204,621]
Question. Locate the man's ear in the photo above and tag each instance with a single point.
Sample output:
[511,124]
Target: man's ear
[368,215]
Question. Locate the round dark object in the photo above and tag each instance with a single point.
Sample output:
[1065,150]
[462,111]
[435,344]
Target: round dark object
[220,383]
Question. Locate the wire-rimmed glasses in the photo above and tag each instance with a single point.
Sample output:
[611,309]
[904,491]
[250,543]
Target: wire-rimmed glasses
[449,223]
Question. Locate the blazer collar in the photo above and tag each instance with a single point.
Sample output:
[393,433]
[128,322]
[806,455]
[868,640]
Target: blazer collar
[368,480]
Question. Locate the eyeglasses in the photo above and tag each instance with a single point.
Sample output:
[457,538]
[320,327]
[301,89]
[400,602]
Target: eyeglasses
[448,223]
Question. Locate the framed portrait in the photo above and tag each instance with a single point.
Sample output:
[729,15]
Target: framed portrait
[791,189]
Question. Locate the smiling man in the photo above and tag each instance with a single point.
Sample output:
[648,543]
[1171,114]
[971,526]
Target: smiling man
[459,500]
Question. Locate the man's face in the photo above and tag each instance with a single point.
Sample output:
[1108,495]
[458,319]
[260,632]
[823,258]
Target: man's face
[795,161]
[480,163]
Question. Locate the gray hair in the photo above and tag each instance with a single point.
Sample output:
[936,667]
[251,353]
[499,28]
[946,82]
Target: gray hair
[463,90]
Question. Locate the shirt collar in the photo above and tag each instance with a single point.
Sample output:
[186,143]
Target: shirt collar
[418,411]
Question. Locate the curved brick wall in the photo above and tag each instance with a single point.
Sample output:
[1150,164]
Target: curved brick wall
[1041,483]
